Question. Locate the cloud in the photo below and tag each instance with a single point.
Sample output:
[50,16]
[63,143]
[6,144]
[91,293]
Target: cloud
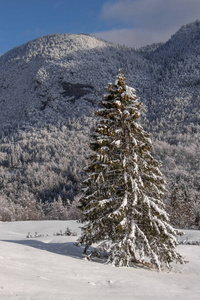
[152,12]
[141,22]
[133,37]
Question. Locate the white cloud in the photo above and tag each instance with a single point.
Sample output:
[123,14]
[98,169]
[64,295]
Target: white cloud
[127,10]
[144,22]
[152,12]
[133,37]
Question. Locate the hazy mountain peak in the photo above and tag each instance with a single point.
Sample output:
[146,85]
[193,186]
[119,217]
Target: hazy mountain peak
[185,41]
[189,30]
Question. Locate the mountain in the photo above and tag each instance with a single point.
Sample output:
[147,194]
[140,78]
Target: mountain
[49,90]
[60,76]
[177,74]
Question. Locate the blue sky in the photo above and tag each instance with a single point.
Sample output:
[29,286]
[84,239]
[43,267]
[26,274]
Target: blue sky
[131,22]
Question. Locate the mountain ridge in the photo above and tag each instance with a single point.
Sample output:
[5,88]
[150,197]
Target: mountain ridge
[43,67]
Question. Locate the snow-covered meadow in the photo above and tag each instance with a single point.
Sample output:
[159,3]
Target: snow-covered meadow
[51,267]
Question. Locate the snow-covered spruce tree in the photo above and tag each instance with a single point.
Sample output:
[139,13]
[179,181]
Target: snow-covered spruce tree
[122,203]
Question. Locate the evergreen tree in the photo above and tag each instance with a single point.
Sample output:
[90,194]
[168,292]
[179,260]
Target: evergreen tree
[122,202]
[181,206]
[175,208]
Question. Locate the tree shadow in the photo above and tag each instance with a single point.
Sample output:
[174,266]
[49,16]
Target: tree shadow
[71,249]
[67,249]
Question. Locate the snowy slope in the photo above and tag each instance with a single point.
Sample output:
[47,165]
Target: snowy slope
[52,267]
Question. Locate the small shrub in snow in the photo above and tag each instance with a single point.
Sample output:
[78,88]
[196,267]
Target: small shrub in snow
[67,232]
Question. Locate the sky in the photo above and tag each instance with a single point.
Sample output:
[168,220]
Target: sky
[133,23]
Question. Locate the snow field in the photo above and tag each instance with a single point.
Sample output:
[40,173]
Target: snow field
[52,268]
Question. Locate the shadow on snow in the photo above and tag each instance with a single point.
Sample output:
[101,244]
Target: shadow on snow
[67,249]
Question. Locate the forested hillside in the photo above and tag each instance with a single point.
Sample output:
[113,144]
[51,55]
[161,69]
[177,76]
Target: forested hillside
[49,91]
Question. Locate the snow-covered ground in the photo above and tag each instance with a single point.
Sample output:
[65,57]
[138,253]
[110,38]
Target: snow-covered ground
[52,267]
